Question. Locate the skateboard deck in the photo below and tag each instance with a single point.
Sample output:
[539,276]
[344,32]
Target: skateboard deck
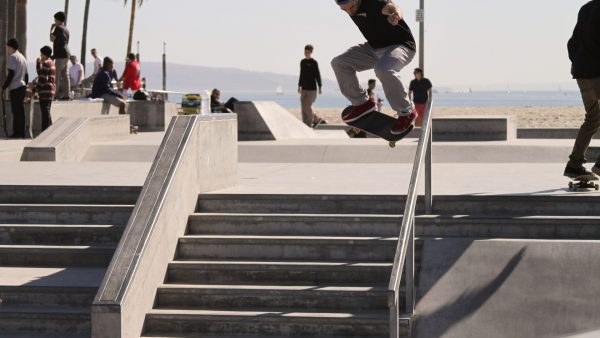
[29,119]
[378,124]
[4,116]
[584,182]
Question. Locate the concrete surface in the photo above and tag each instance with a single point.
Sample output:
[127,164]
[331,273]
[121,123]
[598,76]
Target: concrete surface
[269,121]
[508,288]
[199,154]
[68,139]
[474,128]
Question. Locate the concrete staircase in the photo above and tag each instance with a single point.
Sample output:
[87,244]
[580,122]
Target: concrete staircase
[55,245]
[281,266]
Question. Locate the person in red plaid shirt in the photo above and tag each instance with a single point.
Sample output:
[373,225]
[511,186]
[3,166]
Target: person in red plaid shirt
[46,84]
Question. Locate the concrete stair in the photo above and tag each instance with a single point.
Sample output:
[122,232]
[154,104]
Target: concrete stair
[259,267]
[54,250]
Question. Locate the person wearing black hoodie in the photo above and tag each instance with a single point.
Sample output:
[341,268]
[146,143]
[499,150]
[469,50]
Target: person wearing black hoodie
[584,52]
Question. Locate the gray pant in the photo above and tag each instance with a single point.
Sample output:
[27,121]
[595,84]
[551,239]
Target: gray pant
[387,63]
[590,93]
[63,83]
[307,98]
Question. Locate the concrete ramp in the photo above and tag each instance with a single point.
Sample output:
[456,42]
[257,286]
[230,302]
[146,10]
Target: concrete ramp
[260,121]
[508,288]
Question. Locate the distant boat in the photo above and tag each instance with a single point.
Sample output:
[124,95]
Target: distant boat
[279,90]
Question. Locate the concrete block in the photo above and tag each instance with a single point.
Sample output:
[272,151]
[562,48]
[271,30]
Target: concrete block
[259,121]
[68,139]
[198,154]
[474,128]
[147,115]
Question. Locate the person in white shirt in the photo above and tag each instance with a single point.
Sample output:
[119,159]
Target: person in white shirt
[87,82]
[76,73]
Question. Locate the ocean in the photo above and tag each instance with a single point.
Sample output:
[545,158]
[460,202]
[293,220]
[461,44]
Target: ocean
[474,99]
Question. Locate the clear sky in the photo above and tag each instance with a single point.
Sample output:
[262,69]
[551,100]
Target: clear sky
[483,44]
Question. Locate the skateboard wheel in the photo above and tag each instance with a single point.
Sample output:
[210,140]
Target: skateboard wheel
[392,144]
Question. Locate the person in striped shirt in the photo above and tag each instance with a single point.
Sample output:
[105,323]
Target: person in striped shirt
[46,84]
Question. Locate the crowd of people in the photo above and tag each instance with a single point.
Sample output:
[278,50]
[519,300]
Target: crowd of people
[57,80]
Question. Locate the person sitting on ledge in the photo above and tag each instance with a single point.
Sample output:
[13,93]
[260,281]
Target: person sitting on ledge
[216,106]
[103,89]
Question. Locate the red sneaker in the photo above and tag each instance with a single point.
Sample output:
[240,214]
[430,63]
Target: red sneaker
[404,123]
[359,111]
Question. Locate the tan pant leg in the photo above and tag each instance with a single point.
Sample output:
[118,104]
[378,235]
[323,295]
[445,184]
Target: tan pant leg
[307,98]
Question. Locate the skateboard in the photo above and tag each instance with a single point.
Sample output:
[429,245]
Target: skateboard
[584,182]
[4,115]
[29,118]
[377,124]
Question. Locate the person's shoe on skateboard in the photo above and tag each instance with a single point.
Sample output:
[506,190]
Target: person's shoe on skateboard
[404,122]
[574,171]
[359,111]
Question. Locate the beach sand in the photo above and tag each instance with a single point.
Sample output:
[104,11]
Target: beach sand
[527,117]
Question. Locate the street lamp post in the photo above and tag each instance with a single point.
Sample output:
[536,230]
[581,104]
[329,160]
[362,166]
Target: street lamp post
[421,21]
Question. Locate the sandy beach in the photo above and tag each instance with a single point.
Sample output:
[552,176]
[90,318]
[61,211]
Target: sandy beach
[527,117]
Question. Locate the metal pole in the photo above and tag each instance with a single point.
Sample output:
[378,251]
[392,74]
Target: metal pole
[164,67]
[137,55]
[422,38]
[428,167]
[410,270]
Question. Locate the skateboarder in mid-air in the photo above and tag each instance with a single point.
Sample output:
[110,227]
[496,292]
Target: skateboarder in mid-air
[389,48]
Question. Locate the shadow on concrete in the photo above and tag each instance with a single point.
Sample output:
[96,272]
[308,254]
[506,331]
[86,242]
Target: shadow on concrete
[442,320]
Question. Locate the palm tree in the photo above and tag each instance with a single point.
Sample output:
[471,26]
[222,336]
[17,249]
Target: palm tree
[86,14]
[3,34]
[66,11]
[22,25]
[131,22]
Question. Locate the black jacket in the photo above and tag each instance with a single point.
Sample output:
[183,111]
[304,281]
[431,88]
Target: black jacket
[584,45]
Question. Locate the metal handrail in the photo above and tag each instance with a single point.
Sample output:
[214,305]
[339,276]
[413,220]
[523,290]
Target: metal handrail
[406,238]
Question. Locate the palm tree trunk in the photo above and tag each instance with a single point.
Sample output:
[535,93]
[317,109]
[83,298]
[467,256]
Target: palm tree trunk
[3,28]
[66,11]
[11,11]
[131,22]
[86,14]
[22,25]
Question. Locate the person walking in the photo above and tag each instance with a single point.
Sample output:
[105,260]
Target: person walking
[420,92]
[16,84]
[59,35]
[584,53]
[131,75]
[310,78]
[46,84]
[389,48]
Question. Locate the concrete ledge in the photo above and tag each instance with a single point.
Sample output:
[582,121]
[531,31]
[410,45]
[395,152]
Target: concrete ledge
[68,139]
[147,115]
[260,121]
[198,154]
[474,128]
[549,133]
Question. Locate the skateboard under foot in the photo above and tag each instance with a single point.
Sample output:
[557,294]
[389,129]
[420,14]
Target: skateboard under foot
[378,124]
[584,182]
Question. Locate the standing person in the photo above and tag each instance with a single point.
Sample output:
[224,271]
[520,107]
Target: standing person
[371,85]
[131,75]
[103,88]
[389,48]
[76,74]
[584,52]
[420,92]
[310,77]
[46,84]
[59,35]
[97,65]
[16,82]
